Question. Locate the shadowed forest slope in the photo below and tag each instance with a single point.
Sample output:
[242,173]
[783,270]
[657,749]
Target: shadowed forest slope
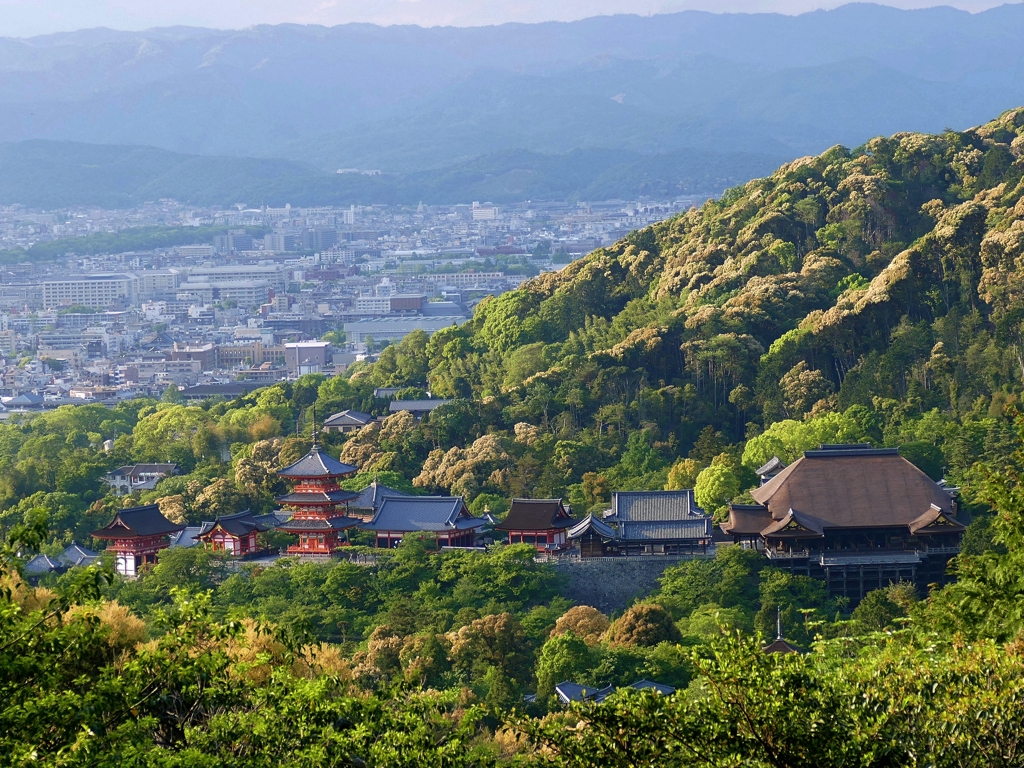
[891,270]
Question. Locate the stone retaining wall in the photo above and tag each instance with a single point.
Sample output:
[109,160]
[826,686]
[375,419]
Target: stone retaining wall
[610,584]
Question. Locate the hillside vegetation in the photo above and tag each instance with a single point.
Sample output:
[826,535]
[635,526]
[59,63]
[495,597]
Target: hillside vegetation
[881,283]
[869,294]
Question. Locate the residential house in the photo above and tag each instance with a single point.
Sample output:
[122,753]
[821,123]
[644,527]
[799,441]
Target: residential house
[418,408]
[139,477]
[856,517]
[347,421]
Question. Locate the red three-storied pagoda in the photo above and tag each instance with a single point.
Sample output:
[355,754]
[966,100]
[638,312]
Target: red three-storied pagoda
[318,505]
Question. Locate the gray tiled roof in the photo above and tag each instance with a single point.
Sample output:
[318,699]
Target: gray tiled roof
[76,554]
[317,463]
[659,515]
[186,538]
[590,522]
[423,513]
[774,464]
[373,495]
[130,470]
[137,521]
[569,692]
[415,406]
[43,564]
[348,418]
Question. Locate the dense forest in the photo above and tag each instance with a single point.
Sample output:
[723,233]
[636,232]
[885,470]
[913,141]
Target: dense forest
[862,295]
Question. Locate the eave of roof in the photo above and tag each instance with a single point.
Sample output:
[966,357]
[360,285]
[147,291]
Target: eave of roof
[746,520]
[316,524]
[795,525]
[591,523]
[138,522]
[325,497]
[317,463]
[536,515]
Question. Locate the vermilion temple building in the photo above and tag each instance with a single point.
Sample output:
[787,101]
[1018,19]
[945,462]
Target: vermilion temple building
[318,504]
[856,517]
[237,534]
[136,535]
[542,523]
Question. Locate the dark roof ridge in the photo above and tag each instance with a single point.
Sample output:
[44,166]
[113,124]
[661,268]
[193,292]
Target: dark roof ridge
[769,465]
[234,515]
[850,452]
[662,492]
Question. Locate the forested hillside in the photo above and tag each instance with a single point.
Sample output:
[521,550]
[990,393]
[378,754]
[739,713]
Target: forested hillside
[863,295]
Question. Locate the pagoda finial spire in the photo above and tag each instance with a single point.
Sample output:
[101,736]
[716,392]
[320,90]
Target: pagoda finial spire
[316,432]
[778,622]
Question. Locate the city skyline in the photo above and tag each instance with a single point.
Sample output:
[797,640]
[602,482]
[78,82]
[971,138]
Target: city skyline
[27,18]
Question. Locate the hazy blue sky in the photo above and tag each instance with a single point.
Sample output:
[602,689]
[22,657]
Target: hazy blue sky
[19,18]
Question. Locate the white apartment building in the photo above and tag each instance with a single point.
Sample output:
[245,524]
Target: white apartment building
[373,305]
[397,328]
[276,276]
[384,305]
[153,282]
[245,293]
[484,212]
[196,251]
[463,279]
[97,291]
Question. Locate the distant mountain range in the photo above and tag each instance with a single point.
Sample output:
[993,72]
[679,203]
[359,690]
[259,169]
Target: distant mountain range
[51,174]
[608,105]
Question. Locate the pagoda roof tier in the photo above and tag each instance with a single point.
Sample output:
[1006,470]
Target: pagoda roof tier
[323,497]
[317,524]
[138,522]
[317,463]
